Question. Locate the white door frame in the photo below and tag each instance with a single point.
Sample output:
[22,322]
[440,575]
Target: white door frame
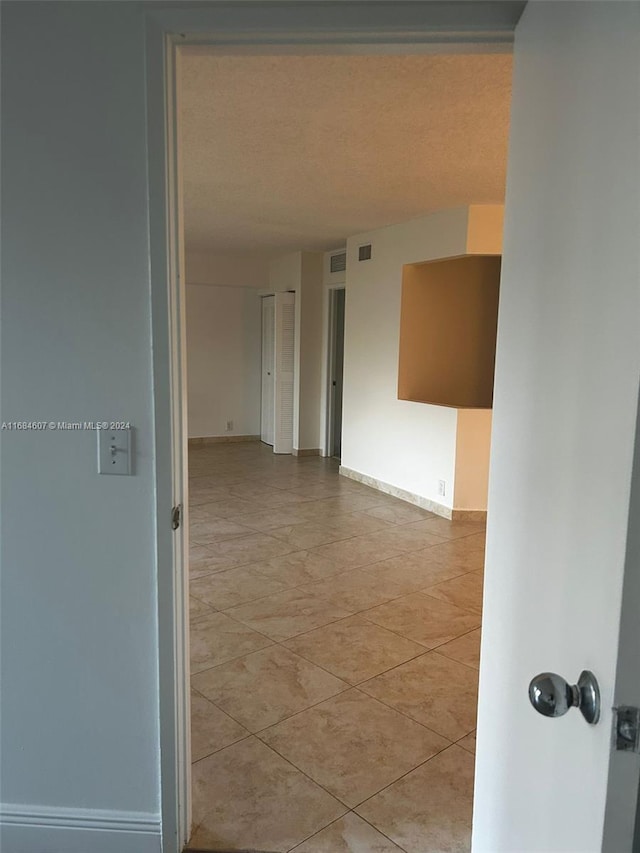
[265,27]
[330,340]
[267,432]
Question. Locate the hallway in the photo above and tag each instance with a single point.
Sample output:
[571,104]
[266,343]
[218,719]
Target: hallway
[334,652]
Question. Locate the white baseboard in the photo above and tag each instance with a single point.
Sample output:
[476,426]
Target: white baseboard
[43,829]
[416,500]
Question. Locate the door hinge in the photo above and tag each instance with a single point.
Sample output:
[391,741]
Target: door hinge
[626,728]
[176,516]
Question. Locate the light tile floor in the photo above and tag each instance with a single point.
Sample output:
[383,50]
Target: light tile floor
[335,635]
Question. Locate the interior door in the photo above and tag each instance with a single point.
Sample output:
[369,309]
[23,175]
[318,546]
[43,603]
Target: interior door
[564,429]
[267,428]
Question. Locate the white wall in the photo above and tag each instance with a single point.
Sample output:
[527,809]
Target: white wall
[79,634]
[410,446]
[564,424]
[223,360]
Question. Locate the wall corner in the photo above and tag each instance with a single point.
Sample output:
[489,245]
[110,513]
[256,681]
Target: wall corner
[484,229]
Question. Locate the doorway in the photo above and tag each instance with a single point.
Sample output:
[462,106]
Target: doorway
[337,298]
[326,611]
[488,811]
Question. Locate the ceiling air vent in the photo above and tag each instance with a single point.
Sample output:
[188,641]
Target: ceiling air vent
[364,252]
[338,262]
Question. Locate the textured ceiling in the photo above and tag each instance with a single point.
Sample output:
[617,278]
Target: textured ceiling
[298,152]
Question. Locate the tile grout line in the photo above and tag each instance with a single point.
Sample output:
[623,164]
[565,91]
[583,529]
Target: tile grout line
[315,548]
[226,746]
[365,567]
[448,745]
[281,643]
[348,687]
[295,767]
[409,717]
[404,775]
[351,811]
[356,614]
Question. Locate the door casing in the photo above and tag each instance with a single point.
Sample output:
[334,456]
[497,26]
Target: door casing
[331,332]
[268,401]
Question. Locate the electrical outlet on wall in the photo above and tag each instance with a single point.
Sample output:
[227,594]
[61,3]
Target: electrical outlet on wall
[229,427]
[442,488]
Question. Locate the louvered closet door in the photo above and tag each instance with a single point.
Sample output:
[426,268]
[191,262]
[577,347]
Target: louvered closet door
[267,427]
[285,366]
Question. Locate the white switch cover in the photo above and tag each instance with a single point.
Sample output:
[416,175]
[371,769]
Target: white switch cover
[114,451]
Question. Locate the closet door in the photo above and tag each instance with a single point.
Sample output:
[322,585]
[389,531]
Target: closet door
[267,427]
[285,368]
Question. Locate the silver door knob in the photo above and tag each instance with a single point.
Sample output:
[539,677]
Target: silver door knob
[552,696]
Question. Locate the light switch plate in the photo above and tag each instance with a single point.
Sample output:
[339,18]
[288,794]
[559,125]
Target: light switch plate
[114,451]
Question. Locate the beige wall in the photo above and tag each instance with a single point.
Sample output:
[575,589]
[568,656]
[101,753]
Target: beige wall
[484,229]
[284,272]
[473,442]
[227,269]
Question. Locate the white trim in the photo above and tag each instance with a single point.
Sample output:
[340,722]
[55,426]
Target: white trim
[328,43]
[21,815]
[351,26]
[395,492]
[170,437]
[26,828]
[179,456]
[328,336]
